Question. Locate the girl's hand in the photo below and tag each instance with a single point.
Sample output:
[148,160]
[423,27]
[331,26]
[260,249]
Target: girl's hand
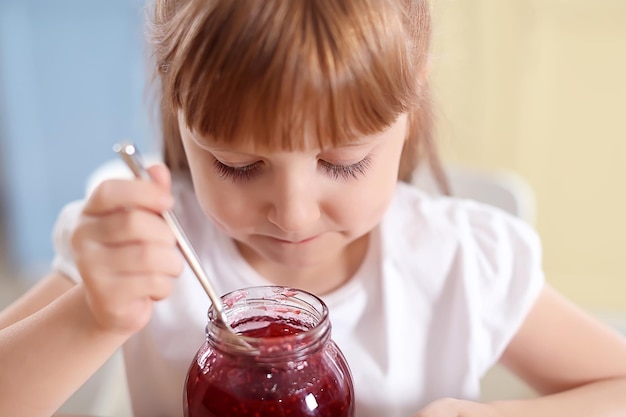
[124,250]
[450,407]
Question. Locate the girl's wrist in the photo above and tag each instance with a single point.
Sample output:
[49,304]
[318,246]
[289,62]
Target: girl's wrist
[93,327]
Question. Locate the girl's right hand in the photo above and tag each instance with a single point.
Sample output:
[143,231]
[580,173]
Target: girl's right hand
[124,250]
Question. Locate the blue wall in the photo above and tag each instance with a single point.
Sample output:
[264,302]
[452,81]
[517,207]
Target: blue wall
[72,83]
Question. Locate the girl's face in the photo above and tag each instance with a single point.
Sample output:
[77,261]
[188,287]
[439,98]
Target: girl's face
[293,210]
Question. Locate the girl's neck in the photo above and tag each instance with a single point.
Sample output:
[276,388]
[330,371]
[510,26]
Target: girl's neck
[319,279]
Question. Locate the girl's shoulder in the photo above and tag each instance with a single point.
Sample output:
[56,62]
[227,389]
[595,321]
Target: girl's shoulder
[438,231]
[479,263]
[447,216]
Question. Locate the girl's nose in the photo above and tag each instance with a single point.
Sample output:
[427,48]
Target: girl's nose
[294,206]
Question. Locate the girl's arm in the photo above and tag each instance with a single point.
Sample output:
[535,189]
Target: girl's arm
[576,363]
[59,334]
[39,296]
[49,346]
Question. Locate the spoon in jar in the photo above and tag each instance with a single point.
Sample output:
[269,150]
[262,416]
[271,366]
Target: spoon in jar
[130,155]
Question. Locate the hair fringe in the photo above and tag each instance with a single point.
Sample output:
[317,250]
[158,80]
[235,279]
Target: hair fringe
[293,74]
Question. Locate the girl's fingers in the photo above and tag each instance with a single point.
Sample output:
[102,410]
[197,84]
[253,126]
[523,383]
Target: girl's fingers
[147,259]
[131,259]
[126,288]
[122,281]
[125,251]
[123,227]
[118,194]
[160,175]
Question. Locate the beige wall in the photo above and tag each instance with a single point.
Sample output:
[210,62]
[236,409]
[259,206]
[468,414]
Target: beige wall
[539,86]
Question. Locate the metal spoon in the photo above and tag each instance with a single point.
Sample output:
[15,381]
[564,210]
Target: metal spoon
[130,155]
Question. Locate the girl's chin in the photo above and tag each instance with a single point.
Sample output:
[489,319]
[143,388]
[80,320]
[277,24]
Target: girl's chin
[305,254]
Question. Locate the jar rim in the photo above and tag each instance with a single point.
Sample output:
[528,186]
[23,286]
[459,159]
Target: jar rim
[272,301]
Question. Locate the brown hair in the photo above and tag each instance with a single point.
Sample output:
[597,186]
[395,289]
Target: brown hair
[267,72]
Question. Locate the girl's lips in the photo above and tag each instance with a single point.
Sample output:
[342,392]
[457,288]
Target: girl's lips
[296,242]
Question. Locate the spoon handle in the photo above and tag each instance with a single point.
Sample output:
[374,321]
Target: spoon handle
[129,153]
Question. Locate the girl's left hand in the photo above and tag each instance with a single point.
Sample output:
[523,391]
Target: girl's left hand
[451,407]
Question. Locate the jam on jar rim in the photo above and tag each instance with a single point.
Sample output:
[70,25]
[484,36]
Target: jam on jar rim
[252,308]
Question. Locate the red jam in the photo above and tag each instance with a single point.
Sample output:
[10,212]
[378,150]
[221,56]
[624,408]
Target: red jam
[220,384]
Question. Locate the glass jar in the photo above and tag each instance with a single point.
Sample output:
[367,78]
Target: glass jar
[293,369]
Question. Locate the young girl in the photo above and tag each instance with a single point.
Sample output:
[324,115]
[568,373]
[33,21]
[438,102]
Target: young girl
[289,127]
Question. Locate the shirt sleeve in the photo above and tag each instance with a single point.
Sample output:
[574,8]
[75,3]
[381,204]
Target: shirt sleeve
[63,260]
[507,281]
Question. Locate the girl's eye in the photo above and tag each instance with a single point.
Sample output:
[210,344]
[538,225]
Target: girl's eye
[346,172]
[236,174]
[335,171]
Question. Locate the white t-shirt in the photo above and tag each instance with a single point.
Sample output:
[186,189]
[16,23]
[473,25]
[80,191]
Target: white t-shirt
[445,285]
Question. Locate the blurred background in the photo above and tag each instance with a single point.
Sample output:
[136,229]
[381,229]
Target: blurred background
[72,83]
[535,88]
[538,87]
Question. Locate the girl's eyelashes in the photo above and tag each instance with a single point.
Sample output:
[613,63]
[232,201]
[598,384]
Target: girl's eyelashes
[346,172]
[335,171]
[237,174]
